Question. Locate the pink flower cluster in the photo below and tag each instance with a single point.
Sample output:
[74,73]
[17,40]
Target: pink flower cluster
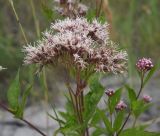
[71,8]
[121,105]
[80,44]
[144,64]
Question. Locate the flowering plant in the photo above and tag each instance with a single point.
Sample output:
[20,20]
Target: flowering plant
[84,49]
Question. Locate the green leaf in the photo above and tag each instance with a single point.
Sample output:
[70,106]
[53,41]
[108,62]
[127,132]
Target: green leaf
[20,109]
[13,94]
[93,97]
[139,107]
[99,131]
[149,75]
[118,121]
[114,100]
[56,119]
[71,128]
[25,95]
[96,118]
[131,94]
[106,121]
[135,132]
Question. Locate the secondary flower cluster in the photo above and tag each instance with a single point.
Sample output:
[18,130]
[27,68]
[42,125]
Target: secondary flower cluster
[78,43]
[144,64]
[71,8]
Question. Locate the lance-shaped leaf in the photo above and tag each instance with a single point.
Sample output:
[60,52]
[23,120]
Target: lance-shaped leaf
[106,121]
[118,121]
[93,97]
[131,94]
[149,75]
[13,94]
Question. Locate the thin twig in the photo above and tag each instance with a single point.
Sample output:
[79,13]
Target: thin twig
[34,127]
[24,120]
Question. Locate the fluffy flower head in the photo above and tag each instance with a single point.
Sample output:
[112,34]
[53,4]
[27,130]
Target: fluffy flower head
[80,44]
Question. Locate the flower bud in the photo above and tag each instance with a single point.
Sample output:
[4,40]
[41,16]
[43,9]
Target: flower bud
[121,105]
[109,92]
[147,98]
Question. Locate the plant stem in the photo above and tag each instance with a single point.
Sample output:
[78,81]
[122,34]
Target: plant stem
[28,123]
[36,22]
[72,96]
[129,114]
[17,18]
[142,83]
[99,10]
[46,98]
[134,123]
[34,127]
[110,114]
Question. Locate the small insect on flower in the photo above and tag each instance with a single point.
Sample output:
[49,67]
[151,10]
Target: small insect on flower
[109,92]
[121,105]
[144,64]
[147,98]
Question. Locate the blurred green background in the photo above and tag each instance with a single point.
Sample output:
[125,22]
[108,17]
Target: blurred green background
[135,27]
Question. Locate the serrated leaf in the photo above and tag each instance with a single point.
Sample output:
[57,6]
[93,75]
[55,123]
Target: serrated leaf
[131,94]
[13,94]
[114,100]
[118,121]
